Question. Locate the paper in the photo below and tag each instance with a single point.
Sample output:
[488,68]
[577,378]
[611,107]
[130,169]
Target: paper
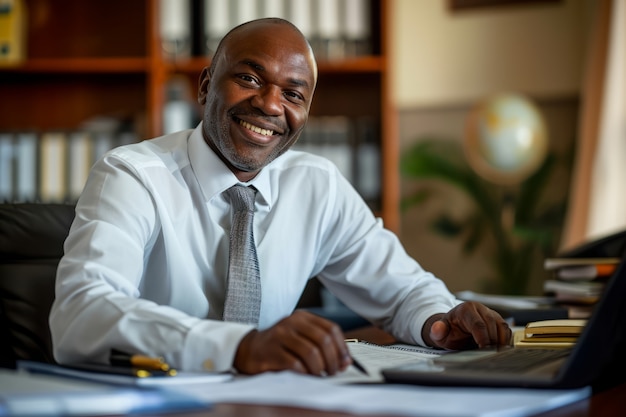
[24,394]
[375,357]
[294,390]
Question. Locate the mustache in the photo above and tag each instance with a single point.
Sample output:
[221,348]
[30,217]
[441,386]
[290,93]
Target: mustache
[238,111]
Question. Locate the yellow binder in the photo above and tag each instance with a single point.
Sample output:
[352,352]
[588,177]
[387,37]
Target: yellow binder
[12,32]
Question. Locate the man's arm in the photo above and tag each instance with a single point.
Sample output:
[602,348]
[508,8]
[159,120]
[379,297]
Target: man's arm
[466,326]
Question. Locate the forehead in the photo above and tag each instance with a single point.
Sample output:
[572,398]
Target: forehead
[275,47]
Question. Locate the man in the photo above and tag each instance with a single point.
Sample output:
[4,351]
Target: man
[146,260]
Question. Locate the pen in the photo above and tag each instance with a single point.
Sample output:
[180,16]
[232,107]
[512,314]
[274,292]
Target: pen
[356,363]
[119,358]
[358,366]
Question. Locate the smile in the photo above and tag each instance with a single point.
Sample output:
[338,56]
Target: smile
[256,129]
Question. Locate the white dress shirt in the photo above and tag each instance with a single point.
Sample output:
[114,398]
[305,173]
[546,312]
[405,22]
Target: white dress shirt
[145,262]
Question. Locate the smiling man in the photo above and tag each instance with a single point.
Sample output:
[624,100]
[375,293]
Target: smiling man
[146,262]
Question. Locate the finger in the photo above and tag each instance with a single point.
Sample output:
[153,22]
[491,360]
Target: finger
[329,340]
[492,331]
[308,355]
[476,325]
[491,322]
[439,331]
[504,333]
[498,329]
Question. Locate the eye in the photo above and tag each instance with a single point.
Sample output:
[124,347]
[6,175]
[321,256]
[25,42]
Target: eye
[294,96]
[247,79]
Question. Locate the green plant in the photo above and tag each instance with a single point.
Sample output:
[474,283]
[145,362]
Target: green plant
[529,233]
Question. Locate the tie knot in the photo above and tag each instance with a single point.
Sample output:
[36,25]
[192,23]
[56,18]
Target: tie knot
[241,197]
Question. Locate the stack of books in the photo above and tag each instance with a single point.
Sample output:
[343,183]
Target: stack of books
[579,282]
[550,334]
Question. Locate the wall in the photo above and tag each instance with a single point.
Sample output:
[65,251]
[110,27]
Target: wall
[443,63]
[443,56]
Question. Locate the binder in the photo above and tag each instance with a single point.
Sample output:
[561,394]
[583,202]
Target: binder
[80,161]
[6,167]
[12,32]
[217,23]
[175,27]
[26,167]
[52,178]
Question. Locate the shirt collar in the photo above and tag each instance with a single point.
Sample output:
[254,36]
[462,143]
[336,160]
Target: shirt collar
[215,177]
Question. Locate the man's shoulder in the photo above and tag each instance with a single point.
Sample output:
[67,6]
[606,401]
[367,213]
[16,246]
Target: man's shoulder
[151,150]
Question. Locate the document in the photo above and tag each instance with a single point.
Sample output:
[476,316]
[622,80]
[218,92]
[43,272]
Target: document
[24,394]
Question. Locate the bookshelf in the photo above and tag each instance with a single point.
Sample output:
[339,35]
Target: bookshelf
[88,60]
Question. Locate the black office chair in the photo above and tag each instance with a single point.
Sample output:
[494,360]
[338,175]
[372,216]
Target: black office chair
[31,245]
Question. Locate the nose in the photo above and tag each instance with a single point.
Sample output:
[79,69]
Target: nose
[269,100]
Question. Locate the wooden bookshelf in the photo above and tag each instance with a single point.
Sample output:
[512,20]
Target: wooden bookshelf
[103,58]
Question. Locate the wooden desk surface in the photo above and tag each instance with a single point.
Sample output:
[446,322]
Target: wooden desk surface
[604,404]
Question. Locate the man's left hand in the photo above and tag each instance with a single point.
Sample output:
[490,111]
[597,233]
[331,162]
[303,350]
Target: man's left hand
[466,326]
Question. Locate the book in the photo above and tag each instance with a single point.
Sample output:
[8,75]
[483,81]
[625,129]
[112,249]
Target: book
[577,269]
[550,334]
[551,264]
[574,289]
[586,272]
[555,328]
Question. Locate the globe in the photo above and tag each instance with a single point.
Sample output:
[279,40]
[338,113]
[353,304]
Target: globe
[505,139]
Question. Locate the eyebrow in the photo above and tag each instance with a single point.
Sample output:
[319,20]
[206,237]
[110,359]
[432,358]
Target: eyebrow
[298,82]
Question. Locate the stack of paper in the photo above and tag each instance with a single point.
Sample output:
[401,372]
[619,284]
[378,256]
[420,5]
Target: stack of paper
[579,282]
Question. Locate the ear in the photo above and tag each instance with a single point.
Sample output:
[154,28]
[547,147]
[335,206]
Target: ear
[205,79]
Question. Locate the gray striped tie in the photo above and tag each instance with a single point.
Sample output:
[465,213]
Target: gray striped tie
[243,295]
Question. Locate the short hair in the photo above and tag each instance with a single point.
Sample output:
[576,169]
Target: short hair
[273,20]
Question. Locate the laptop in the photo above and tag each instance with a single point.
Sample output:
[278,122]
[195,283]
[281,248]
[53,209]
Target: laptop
[597,359]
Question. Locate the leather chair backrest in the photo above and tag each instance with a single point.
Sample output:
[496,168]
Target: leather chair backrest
[31,245]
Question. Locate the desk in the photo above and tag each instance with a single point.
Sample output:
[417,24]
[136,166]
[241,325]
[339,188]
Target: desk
[605,404]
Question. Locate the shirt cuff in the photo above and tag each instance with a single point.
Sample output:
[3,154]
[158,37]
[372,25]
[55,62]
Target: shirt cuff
[211,346]
[423,315]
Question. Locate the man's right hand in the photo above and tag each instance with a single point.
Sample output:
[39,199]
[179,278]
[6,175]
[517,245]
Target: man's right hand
[302,342]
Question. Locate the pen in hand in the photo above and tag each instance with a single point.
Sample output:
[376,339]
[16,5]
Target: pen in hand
[356,363]
[358,366]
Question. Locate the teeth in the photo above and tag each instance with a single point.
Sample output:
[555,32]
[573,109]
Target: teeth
[256,129]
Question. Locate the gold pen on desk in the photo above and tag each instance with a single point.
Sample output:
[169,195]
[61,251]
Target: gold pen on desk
[119,358]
